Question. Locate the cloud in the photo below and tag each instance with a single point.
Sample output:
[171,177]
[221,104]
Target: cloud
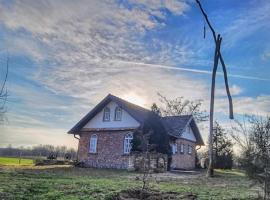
[234,90]
[21,136]
[86,49]
[246,22]
[266,56]
[259,105]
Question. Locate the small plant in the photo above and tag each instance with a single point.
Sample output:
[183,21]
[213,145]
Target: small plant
[52,156]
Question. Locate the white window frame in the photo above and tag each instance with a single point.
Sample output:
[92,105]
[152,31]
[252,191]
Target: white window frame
[106,114]
[182,148]
[93,144]
[174,148]
[127,143]
[118,114]
[190,149]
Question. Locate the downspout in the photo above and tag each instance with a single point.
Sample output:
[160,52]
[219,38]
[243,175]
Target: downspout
[76,137]
[78,148]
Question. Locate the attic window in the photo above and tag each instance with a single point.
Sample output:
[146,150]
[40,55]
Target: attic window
[118,114]
[106,114]
[188,129]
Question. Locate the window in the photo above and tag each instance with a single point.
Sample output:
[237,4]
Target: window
[93,144]
[182,147]
[117,114]
[189,149]
[174,148]
[106,114]
[127,143]
[188,129]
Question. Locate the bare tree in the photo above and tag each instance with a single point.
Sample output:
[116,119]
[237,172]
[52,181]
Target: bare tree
[180,106]
[217,57]
[3,93]
[254,140]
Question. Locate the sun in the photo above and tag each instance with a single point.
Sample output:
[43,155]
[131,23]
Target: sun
[134,98]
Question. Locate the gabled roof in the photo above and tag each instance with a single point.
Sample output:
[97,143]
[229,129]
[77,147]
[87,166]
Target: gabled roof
[174,125]
[137,112]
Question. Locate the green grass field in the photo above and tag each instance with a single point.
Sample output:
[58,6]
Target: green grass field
[66,182]
[15,161]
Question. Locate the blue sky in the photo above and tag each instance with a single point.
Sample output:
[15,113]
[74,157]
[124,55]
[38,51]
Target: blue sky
[65,56]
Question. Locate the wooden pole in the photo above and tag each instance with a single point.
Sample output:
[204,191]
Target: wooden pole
[217,57]
[210,171]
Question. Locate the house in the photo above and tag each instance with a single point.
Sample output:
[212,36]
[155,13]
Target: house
[106,132]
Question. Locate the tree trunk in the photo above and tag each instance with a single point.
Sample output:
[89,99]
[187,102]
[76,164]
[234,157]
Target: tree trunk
[210,171]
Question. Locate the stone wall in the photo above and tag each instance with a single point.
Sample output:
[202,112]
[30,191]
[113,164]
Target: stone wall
[110,150]
[183,160]
[154,162]
[110,153]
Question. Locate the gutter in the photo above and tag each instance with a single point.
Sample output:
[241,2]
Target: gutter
[76,137]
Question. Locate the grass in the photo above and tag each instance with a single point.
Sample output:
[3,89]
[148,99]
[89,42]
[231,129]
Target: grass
[15,161]
[66,182]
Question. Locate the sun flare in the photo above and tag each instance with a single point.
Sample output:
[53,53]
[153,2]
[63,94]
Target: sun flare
[135,98]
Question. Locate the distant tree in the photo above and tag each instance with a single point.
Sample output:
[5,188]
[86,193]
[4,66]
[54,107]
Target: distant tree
[255,150]
[180,106]
[38,151]
[222,148]
[156,109]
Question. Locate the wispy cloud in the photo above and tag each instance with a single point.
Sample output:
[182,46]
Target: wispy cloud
[83,50]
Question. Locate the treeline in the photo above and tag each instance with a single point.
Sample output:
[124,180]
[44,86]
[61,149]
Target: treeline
[38,151]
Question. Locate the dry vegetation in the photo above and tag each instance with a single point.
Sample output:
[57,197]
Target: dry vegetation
[67,182]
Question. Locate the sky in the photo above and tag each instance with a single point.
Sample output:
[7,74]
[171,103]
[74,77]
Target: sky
[65,56]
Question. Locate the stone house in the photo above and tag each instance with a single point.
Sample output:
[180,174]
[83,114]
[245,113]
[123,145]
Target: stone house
[106,132]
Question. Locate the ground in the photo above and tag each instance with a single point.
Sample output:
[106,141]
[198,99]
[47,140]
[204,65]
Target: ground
[67,182]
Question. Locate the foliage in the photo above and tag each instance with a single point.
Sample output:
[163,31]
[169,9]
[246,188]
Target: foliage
[222,148]
[158,136]
[254,140]
[255,151]
[180,106]
[38,151]
[45,182]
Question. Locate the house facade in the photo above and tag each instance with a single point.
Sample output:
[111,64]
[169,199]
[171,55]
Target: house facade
[106,133]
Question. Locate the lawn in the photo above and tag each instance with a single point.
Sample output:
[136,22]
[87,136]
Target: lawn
[15,161]
[66,182]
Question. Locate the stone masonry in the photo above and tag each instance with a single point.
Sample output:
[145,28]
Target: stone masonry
[184,160]
[110,150]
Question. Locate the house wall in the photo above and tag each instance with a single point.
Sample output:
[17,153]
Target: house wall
[184,160]
[126,122]
[188,134]
[110,150]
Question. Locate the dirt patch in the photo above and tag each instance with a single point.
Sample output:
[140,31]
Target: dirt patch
[136,194]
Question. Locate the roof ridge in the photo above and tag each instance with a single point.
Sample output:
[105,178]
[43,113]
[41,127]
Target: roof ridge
[179,116]
[127,102]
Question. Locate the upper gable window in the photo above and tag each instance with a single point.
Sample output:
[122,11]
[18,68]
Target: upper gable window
[118,114]
[188,129]
[106,114]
